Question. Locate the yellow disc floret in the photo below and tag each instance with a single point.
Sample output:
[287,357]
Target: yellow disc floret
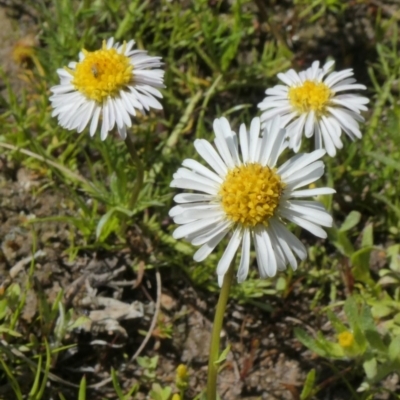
[311,96]
[102,73]
[250,194]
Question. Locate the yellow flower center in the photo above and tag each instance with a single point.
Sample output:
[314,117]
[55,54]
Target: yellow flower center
[346,339]
[102,73]
[250,194]
[311,96]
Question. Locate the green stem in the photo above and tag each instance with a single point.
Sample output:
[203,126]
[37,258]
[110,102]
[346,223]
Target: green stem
[139,172]
[216,333]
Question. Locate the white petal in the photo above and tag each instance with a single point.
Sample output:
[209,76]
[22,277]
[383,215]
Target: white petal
[276,111]
[332,127]
[243,269]
[112,113]
[261,251]
[192,197]
[312,192]
[298,162]
[285,79]
[181,208]
[345,119]
[305,176]
[208,153]
[201,169]
[281,242]
[313,211]
[271,268]
[207,248]
[209,211]
[122,132]
[193,227]
[277,90]
[244,143]
[229,252]
[222,226]
[292,240]
[200,179]
[105,124]
[316,230]
[189,184]
[271,145]
[335,77]
[254,134]
[95,120]
[309,125]
[328,65]
[328,143]
[221,144]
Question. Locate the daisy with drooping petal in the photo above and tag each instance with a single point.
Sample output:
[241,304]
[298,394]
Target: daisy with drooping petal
[107,86]
[246,194]
[312,102]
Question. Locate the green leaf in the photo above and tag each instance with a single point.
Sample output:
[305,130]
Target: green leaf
[341,241]
[106,225]
[371,368]
[231,50]
[35,386]
[375,341]
[368,236]
[45,371]
[393,253]
[9,331]
[116,385]
[309,342]
[159,393]
[82,320]
[385,160]
[308,387]
[132,391]
[394,349]
[336,322]
[381,309]
[366,319]
[390,204]
[368,327]
[3,308]
[82,389]
[361,261]
[333,350]
[281,284]
[223,355]
[351,311]
[360,339]
[352,220]
[12,380]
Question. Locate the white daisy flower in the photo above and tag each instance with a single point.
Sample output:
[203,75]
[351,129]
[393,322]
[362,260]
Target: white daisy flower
[110,85]
[311,102]
[249,196]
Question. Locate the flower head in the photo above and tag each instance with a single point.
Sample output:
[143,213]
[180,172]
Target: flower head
[249,196]
[346,339]
[311,103]
[110,84]
[182,377]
